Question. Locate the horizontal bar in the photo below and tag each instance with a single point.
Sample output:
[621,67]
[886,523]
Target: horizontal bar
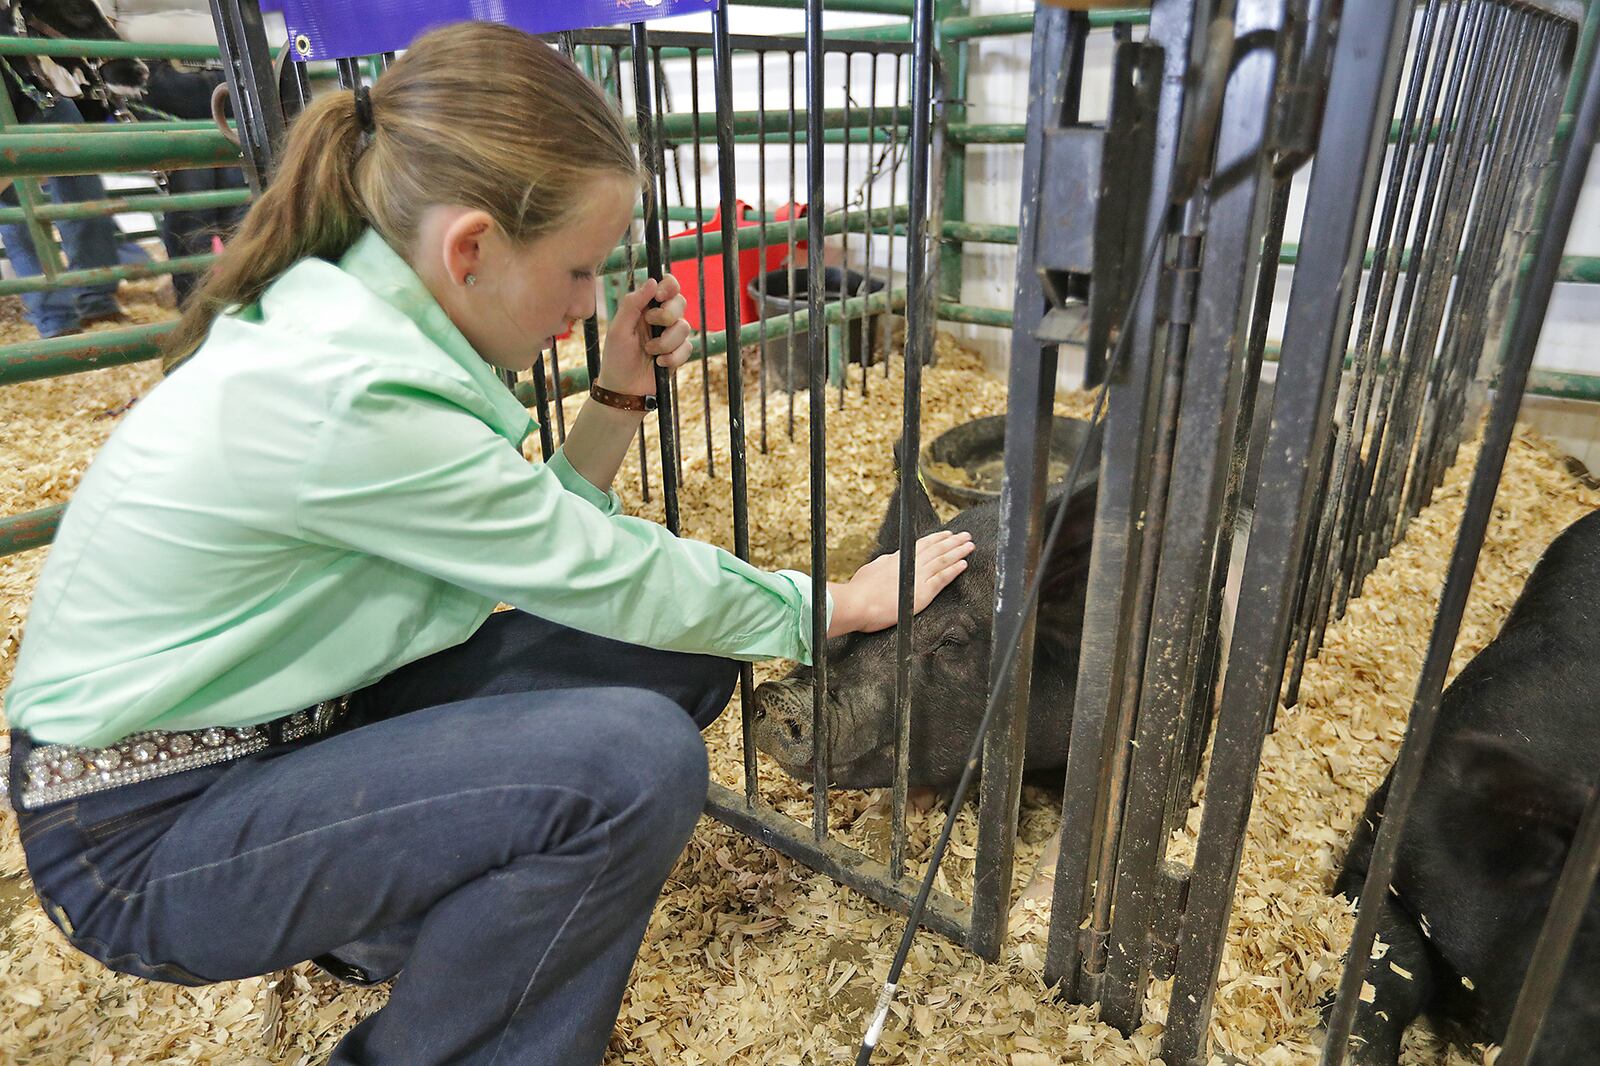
[853,135]
[151,204]
[97,49]
[29,530]
[187,264]
[60,356]
[968,26]
[1577,269]
[951,311]
[1014,132]
[777,120]
[688,247]
[945,914]
[864,7]
[155,125]
[92,151]
[890,39]
[981,232]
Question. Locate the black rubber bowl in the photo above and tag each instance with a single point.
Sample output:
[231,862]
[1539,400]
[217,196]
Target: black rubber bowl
[964,465]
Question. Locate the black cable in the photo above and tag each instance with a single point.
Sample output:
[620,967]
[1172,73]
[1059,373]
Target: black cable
[1011,643]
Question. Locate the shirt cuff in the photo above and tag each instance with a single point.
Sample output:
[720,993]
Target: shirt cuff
[574,482]
[804,586]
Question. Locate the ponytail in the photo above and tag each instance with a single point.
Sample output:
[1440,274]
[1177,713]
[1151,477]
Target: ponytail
[476,114]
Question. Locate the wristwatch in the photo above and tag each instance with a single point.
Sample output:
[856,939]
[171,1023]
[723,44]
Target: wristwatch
[621,400]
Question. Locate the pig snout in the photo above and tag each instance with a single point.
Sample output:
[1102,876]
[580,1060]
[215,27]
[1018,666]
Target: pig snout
[783,724]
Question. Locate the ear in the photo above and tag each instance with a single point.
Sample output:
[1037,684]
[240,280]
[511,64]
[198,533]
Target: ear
[1068,563]
[924,519]
[466,245]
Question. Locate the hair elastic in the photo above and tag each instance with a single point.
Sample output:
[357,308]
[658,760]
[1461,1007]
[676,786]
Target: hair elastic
[364,110]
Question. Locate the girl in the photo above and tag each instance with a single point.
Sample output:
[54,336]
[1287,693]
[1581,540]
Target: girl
[264,712]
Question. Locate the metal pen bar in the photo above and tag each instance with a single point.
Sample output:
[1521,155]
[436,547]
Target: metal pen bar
[722,72]
[31,204]
[349,73]
[614,81]
[660,165]
[561,412]
[591,346]
[547,446]
[1055,82]
[1103,675]
[1361,92]
[843,337]
[761,243]
[1374,325]
[1527,320]
[816,339]
[254,92]
[1212,380]
[650,151]
[1424,244]
[1457,362]
[1431,363]
[894,192]
[788,291]
[870,327]
[1521,183]
[700,259]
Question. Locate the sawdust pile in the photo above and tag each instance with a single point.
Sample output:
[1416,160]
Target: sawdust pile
[751,958]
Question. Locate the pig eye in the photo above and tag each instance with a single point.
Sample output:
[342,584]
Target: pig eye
[953,639]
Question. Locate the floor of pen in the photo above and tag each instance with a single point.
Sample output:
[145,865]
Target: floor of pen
[751,958]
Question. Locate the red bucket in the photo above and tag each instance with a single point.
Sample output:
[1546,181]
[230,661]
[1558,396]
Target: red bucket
[688,270]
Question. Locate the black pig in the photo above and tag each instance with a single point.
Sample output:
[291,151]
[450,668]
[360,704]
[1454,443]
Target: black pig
[951,642]
[1509,773]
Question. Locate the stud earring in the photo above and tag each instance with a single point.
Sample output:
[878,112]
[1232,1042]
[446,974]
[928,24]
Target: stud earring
[471,279]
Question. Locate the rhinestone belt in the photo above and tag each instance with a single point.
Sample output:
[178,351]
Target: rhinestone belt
[55,772]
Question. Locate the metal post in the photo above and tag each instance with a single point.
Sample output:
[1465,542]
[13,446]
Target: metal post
[818,412]
[248,65]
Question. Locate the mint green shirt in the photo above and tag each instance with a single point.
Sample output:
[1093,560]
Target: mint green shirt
[330,488]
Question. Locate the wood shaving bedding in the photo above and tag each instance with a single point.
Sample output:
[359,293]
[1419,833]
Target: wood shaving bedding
[751,958]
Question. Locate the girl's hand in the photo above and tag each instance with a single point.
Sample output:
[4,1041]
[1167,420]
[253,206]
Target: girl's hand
[628,363]
[870,600]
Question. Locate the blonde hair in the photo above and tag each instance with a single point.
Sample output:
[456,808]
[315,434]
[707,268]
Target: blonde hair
[475,114]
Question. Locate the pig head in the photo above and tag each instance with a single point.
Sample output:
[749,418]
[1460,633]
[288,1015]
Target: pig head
[951,644]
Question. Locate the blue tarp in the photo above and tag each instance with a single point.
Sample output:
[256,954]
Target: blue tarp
[335,29]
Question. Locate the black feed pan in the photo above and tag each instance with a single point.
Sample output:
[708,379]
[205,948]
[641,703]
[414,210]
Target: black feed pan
[964,465]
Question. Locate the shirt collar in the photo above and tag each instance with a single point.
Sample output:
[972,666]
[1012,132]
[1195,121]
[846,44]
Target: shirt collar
[380,268]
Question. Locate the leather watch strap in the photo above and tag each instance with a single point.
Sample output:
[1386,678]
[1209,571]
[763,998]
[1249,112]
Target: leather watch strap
[621,400]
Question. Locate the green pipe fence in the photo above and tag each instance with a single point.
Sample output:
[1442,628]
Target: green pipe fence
[60,356]
[147,204]
[187,264]
[32,529]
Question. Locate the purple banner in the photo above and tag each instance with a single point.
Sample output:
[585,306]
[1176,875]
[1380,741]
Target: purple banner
[336,29]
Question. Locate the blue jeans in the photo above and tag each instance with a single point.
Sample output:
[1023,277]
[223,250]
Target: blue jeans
[494,821]
[88,243]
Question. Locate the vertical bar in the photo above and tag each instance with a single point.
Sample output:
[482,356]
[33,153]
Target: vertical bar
[615,78]
[1559,203]
[541,395]
[30,195]
[349,72]
[845,325]
[1113,568]
[1361,92]
[700,260]
[816,338]
[894,181]
[650,149]
[953,62]
[555,381]
[1212,380]
[1424,251]
[660,163]
[788,291]
[1054,80]
[764,214]
[722,71]
[248,65]
[869,323]
[591,346]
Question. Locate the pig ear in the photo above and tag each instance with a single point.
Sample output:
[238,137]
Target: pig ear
[1068,564]
[924,519]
